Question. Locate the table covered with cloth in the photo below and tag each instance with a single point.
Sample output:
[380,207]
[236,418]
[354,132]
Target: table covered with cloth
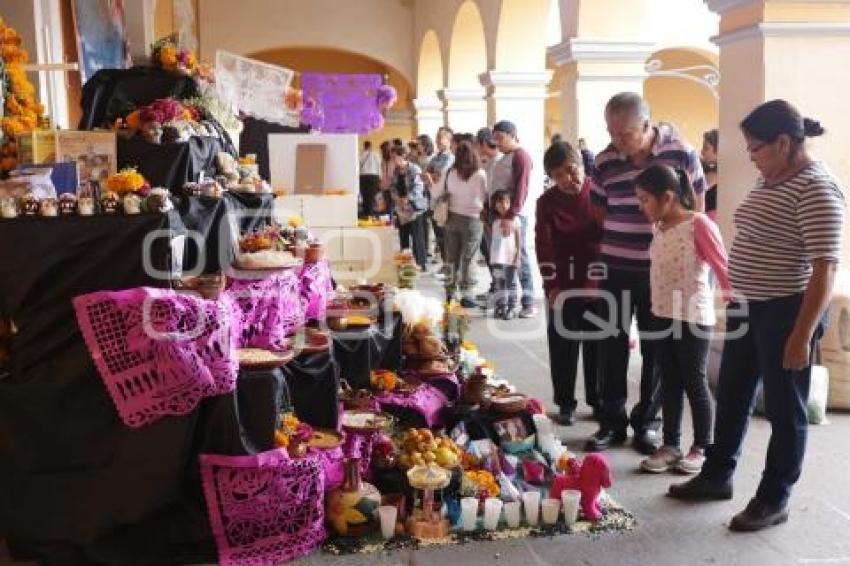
[76,484]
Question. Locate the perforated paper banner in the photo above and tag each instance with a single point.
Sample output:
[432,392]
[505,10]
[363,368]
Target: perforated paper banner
[344,103]
[254,88]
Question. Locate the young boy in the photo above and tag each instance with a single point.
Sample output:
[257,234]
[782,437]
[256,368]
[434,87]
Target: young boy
[567,235]
[505,250]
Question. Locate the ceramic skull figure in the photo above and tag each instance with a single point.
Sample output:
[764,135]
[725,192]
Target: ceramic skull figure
[8,208]
[110,202]
[47,207]
[158,201]
[68,204]
[132,204]
[31,205]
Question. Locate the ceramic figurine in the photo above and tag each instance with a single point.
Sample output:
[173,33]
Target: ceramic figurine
[31,205]
[132,204]
[110,202]
[85,206]
[153,132]
[67,204]
[47,208]
[8,208]
[592,475]
[158,201]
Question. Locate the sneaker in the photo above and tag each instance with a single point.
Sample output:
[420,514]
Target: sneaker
[510,313]
[757,516]
[692,463]
[468,303]
[499,312]
[664,458]
[528,312]
[604,439]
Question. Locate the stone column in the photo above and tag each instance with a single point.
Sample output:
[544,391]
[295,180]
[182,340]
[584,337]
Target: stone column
[429,115]
[595,70]
[466,109]
[521,98]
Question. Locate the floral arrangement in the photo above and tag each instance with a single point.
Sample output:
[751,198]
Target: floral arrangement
[126,181]
[21,111]
[291,430]
[166,110]
[168,55]
[480,483]
[383,379]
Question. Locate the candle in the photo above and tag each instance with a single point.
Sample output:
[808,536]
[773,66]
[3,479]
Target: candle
[468,513]
[512,513]
[492,511]
[531,502]
[551,507]
[388,514]
[571,499]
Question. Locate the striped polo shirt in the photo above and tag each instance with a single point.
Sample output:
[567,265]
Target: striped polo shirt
[781,229]
[627,231]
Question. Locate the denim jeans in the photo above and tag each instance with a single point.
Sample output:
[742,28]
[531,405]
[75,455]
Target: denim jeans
[757,355]
[504,286]
[526,280]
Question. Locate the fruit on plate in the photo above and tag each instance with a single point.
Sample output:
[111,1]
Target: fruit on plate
[355,320]
[421,447]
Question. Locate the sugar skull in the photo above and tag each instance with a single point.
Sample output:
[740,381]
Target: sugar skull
[48,207]
[110,202]
[31,205]
[132,204]
[68,204]
[8,208]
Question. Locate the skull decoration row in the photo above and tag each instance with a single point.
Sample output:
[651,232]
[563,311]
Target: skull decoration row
[68,204]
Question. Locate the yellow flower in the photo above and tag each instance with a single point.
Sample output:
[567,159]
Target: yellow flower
[168,57]
[295,220]
[290,422]
[125,181]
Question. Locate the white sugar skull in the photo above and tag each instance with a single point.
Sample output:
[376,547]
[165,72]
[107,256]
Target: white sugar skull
[8,208]
[132,204]
[48,208]
[85,206]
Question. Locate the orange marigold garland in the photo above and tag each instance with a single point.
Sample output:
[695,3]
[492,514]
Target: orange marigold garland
[21,111]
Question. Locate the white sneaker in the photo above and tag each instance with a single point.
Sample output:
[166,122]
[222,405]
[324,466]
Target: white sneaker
[692,463]
[663,459]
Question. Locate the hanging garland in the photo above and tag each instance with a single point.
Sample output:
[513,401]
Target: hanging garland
[20,110]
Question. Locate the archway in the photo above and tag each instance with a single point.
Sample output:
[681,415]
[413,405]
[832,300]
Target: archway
[521,39]
[429,83]
[682,88]
[466,109]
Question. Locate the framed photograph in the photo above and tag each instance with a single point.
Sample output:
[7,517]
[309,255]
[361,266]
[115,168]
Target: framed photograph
[511,430]
[94,152]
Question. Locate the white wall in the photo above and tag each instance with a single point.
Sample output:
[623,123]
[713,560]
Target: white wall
[382,29]
[682,23]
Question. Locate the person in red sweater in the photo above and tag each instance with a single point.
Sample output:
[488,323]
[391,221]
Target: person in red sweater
[568,234]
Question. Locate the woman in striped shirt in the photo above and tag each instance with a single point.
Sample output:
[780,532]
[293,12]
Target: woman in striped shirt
[782,266]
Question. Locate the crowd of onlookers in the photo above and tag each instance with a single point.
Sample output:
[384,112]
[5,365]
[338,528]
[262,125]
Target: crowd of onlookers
[631,234]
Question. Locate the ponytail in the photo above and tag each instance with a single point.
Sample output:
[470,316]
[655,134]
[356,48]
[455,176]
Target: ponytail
[659,179]
[686,191]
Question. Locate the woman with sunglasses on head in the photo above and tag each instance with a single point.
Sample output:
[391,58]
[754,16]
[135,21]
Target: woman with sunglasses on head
[782,265]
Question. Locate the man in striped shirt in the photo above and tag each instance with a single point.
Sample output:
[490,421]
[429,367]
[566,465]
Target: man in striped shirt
[636,143]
